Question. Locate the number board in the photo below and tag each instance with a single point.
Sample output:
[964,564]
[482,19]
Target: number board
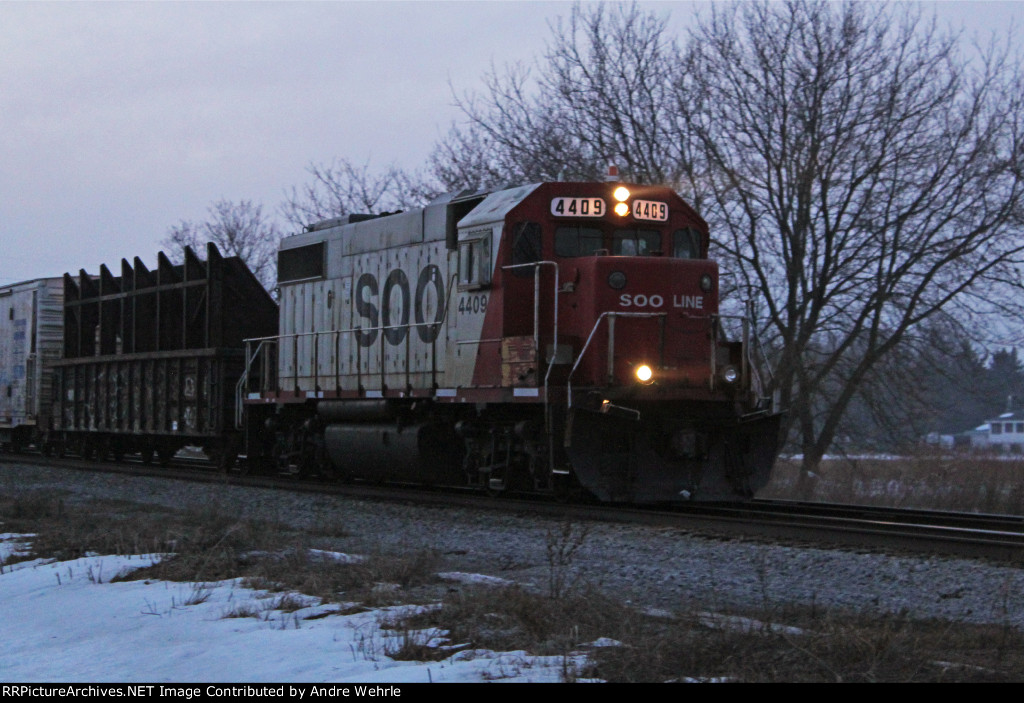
[650,210]
[578,207]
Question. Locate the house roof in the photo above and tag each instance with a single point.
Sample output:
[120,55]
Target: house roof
[1008,417]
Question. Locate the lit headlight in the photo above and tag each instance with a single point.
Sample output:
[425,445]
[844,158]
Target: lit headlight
[621,209]
[644,373]
[621,194]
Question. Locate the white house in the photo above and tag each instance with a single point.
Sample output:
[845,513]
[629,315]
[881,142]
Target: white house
[1004,433]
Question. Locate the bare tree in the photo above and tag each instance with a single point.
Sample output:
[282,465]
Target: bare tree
[863,175]
[861,169]
[602,94]
[238,229]
[343,188]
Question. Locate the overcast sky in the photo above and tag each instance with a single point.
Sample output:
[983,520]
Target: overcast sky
[118,120]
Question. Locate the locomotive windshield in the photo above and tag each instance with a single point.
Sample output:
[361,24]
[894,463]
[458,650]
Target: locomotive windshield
[588,240]
[578,240]
[636,242]
[686,243]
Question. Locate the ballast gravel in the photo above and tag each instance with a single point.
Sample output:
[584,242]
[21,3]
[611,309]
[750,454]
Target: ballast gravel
[653,568]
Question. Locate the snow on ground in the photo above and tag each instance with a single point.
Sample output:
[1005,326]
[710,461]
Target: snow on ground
[65,621]
[477,579]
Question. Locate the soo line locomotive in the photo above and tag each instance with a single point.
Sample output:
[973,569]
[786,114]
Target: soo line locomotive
[553,337]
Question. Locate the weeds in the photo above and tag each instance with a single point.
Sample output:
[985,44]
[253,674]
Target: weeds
[200,594]
[512,618]
[841,648]
[970,483]
[416,645]
[562,545]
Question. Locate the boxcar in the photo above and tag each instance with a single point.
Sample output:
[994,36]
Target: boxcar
[30,340]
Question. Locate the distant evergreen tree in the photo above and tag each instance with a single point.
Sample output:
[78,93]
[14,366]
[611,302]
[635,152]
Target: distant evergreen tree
[938,383]
[1004,382]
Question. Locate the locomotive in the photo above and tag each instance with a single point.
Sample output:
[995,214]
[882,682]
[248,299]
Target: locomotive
[554,337]
[546,337]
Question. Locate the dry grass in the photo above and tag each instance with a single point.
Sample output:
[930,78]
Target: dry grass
[929,481]
[377,580]
[831,648]
[808,647]
[209,543]
[120,527]
[512,618]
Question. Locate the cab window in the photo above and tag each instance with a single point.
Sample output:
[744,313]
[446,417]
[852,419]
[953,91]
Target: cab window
[526,247]
[686,243]
[475,261]
[578,240]
[636,242]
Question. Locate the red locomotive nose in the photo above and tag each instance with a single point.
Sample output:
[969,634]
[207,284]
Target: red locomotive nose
[643,311]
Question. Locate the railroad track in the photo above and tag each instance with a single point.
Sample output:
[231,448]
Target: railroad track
[981,536]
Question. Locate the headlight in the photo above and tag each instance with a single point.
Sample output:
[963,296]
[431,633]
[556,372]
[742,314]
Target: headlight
[644,373]
[617,280]
[729,374]
[705,282]
[621,209]
[621,194]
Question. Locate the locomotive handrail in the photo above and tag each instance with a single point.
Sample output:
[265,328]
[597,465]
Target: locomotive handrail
[750,368]
[610,314]
[536,343]
[315,333]
[535,265]
[536,325]
[243,380]
[294,336]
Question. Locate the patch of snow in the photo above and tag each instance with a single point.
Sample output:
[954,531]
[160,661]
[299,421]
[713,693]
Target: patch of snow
[339,557]
[475,579]
[741,624]
[604,642]
[65,621]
